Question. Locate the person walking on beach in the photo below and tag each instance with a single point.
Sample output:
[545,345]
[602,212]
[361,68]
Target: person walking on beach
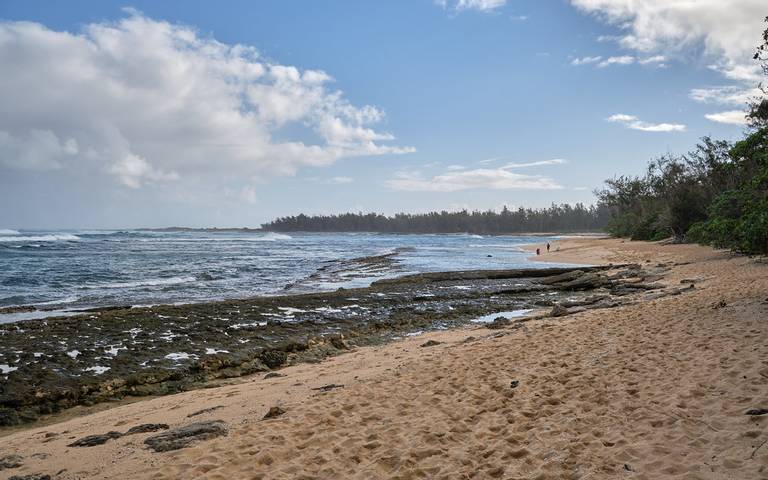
[547,247]
[538,251]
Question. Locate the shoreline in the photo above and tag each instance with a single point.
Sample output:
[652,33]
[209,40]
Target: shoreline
[626,397]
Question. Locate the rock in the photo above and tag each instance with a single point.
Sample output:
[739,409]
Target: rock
[558,311]
[431,343]
[328,387]
[587,281]
[757,411]
[273,375]
[689,280]
[274,412]
[94,440]
[146,428]
[185,436]
[628,467]
[499,322]
[514,383]
[273,358]
[339,343]
[720,304]
[11,461]
[32,476]
[563,277]
[204,411]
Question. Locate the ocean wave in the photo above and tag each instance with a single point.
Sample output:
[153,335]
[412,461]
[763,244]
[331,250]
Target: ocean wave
[143,283]
[8,231]
[270,237]
[41,238]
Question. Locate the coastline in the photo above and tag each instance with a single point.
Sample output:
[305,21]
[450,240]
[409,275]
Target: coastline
[653,389]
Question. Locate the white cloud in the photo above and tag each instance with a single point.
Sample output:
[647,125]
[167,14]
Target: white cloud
[454,168]
[658,59]
[148,101]
[725,31]
[634,123]
[519,18]
[732,117]
[480,5]
[724,95]
[481,178]
[340,180]
[554,161]
[586,60]
[620,60]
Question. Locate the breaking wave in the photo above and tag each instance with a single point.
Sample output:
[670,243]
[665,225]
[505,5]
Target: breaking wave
[40,238]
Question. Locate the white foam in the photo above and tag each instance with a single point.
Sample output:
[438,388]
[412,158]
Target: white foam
[271,237]
[39,238]
[7,369]
[213,351]
[180,356]
[144,283]
[509,314]
[8,231]
[97,369]
[73,353]
[291,310]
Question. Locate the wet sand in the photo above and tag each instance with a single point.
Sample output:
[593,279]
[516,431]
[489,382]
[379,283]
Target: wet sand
[657,389]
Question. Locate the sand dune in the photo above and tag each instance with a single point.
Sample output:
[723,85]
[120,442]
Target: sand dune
[646,391]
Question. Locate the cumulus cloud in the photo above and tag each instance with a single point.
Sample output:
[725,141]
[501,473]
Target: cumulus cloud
[481,178]
[620,60]
[726,31]
[586,60]
[732,117]
[147,101]
[657,60]
[634,123]
[479,5]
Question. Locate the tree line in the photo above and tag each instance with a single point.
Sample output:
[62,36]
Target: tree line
[556,218]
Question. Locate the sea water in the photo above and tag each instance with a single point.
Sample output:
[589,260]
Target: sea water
[68,270]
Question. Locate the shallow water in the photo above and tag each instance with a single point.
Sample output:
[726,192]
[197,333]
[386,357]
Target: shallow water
[65,270]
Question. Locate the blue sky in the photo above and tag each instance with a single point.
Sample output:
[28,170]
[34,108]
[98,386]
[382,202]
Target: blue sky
[350,105]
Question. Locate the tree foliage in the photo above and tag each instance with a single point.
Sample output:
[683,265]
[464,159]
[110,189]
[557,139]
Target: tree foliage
[557,218]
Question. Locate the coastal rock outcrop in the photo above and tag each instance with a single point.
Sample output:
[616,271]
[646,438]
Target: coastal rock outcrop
[185,436]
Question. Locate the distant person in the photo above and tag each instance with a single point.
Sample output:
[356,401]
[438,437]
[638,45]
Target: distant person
[547,247]
[538,251]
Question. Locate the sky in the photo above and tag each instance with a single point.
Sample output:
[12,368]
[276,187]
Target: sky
[150,114]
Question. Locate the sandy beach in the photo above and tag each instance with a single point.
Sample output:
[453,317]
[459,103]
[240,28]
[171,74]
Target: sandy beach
[657,389]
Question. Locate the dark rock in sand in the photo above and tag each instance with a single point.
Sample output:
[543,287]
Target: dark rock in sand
[11,461]
[94,440]
[431,343]
[32,476]
[498,323]
[514,383]
[146,428]
[329,387]
[558,311]
[273,375]
[757,411]
[185,436]
[204,411]
[274,412]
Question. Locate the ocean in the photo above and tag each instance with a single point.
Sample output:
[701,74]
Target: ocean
[65,270]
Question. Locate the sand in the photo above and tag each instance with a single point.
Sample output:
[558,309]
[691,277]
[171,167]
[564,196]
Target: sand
[645,391]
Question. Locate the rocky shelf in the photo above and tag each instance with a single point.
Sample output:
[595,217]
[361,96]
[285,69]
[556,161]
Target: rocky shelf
[103,355]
